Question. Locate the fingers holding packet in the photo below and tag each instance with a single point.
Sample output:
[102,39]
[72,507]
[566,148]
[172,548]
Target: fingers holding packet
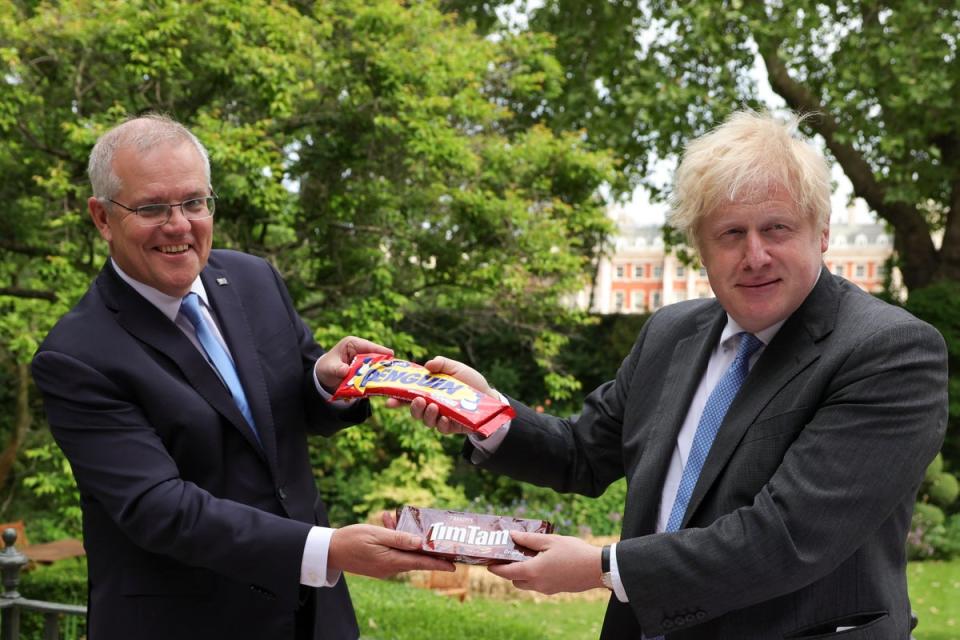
[380,374]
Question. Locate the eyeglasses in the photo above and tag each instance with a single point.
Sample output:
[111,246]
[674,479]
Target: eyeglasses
[154,215]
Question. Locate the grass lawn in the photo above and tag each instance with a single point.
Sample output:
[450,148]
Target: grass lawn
[935,595]
[396,611]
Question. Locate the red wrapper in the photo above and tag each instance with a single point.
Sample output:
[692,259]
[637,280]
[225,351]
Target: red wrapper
[470,538]
[378,374]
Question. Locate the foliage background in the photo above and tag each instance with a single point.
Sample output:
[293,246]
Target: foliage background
[433,177]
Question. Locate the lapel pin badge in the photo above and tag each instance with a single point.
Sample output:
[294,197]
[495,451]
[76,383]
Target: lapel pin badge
[222,281]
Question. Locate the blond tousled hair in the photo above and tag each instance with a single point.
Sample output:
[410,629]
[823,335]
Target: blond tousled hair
[750,153]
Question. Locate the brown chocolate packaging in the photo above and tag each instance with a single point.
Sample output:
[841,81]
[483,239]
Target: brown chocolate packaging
[470,538]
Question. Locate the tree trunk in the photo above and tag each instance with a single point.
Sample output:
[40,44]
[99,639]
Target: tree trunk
[21,423]
[921,264]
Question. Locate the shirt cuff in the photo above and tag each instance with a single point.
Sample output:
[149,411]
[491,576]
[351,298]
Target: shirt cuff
[483,448]
[326,395]
[618,589]
[313,567]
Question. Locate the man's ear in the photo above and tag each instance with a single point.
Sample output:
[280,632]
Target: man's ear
[98,213]
[825,239]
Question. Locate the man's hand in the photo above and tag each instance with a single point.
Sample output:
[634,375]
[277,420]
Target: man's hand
[429,412]
[332,367]
[564,564]
[377,552]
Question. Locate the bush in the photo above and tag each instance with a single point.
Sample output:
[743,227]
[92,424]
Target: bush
[64,582]
[571,514]
[939,304]
[933,535]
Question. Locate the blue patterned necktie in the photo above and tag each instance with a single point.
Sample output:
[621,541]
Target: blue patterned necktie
[190,307]
[713,413]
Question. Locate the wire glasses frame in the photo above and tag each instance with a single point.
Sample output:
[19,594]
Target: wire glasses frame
[154,215]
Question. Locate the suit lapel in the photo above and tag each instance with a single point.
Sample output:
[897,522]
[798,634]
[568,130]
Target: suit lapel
[232,317]
[148,324]
[687,364]
[794,348]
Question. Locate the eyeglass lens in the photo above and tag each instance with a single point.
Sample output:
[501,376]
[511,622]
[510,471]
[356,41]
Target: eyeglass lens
[193,209]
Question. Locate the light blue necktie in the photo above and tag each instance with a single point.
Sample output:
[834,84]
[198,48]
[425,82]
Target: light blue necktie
[713,413]
[218,355]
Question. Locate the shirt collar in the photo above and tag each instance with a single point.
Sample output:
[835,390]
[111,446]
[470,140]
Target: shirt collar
[764,335]
[168,305]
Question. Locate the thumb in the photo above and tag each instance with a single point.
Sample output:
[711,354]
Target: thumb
[534,541]
[403,540]
[439,364]
[341,369]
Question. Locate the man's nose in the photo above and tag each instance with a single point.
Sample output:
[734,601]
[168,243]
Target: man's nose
[177,221]
[755,254]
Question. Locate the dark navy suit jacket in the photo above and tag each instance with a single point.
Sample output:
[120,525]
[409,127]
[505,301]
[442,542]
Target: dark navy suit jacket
[192,528]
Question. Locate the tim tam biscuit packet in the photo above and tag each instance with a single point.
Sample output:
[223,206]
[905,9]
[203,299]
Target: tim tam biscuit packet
[379,374]
[470,538]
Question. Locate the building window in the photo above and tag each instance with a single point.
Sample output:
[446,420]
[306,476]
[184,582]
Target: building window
[657,271]
[838,269]
[881,271]
[638,271]
[618,301]
[681,271]
[638,300]
[861,271]
[703,272]
[619,272]
[655,299]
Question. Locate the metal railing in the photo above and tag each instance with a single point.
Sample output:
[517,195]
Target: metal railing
[12,603]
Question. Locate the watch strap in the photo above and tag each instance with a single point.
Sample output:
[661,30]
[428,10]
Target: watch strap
[606,578]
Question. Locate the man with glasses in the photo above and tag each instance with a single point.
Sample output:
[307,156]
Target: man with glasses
[182,388]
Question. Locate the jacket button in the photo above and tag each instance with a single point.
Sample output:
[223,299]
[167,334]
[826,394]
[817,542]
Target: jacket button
[701,615]
[281,494]
[668,624]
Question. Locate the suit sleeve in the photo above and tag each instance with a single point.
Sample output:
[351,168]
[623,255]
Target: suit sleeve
[580,454]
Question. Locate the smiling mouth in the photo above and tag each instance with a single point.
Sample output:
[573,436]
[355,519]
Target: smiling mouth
[174,248]
[759,285]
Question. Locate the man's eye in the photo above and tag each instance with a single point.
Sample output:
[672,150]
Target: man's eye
[152,211]
[196,205]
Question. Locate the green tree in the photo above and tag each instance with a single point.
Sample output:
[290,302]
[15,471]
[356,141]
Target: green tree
[883,79]
[389,162]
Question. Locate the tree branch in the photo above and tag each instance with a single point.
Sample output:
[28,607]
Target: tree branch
[36,294]
[24,249]
[912,238]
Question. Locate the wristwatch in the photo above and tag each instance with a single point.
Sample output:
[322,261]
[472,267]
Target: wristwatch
[606,578]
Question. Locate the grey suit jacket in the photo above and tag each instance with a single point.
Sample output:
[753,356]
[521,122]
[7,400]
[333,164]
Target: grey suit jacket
[798,522]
